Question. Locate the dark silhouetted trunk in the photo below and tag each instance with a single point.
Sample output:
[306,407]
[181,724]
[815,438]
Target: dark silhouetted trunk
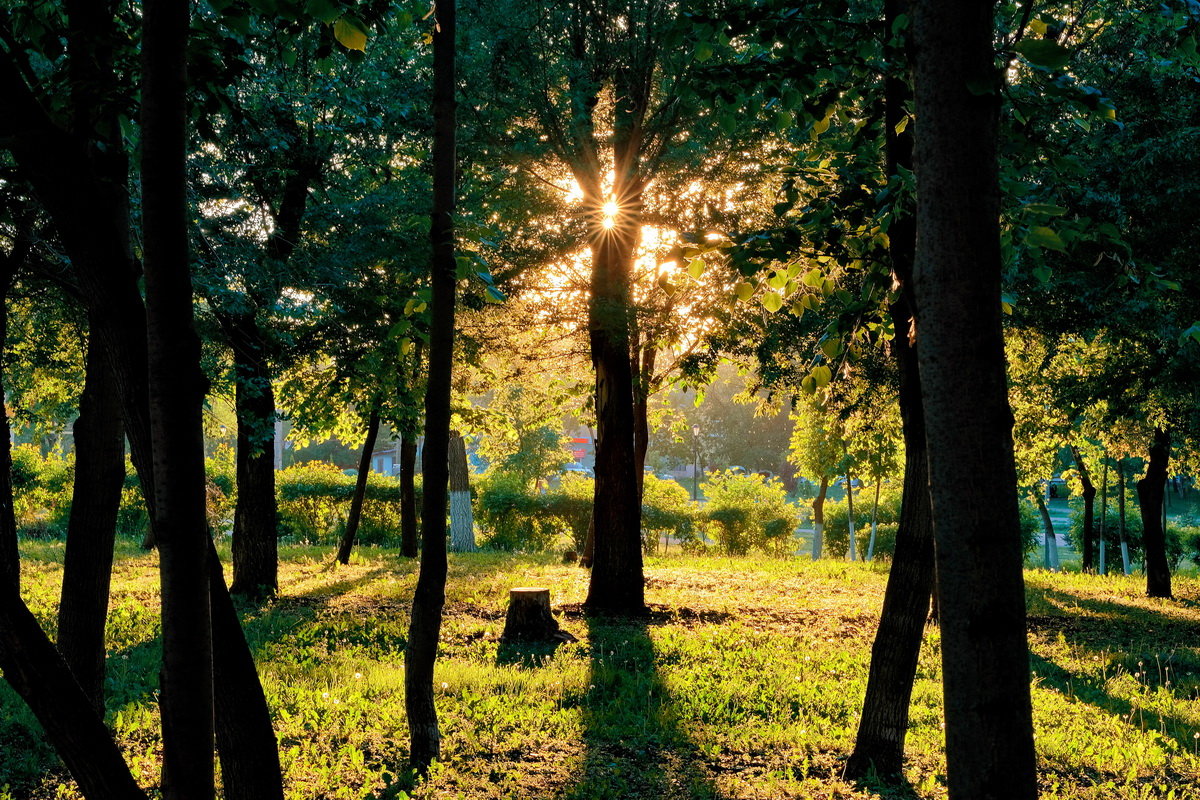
[1151,492]
[818,507]
[10,558]
[883,725]
[360,488]
[177,388]
[1049,543]
[462,520]
[408,496]
[968,423]
[430,595]
[91,527]
[1089,511]
[255,519]
[643,368]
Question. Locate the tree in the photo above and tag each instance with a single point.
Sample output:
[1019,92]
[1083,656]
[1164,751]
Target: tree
[989,727]
[430,594]
[817,449]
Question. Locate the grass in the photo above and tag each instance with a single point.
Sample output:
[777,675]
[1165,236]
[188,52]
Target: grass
[744,682]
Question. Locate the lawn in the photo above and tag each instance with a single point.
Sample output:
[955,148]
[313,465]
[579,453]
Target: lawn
[744,682]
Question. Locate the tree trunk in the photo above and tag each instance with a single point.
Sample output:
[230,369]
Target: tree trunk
[1089,510]
[462,522]
[1050,544]
[643,370]
[430,595]
[852,547]
[617,583]
[255,519]
[177,388]
[1151,490]
[360,487]
[883,725]
[818,507]
[985,655]
[874,522]
[10,558]
[91,527]
[1125,565]
[38,673]
[1104,519]
[408,496]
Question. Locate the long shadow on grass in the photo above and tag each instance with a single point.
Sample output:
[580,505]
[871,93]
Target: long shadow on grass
[635,748]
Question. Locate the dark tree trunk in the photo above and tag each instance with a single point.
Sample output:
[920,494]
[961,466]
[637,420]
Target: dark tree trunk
[430,595]
[1151,492]
[408,496]
[177,388]
[245,739]
[1089,511]
[818,507]
[462,520]
[360,487]
[38,673]
[882,728]
[968,423]
[644,372]
[10,558]
[1049,545]
[91,527]
[255,519]
[617,583]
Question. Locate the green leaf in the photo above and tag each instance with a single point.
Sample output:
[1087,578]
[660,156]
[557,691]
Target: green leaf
[744,291]
[727,123]
[772,301]
[902,124]
[703,51]
[324,10]
[695,268]
[351,33]
[783,121]
[493,295]
[822,375]
[1041,236]
[832,348]
[777,280]
[1044,53]
[1045,208]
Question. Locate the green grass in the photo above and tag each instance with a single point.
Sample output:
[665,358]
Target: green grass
[745,682]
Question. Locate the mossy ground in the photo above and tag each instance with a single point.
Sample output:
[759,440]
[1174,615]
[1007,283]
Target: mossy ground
[744,682]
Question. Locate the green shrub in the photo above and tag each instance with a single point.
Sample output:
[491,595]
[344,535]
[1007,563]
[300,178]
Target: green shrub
[667,509]
[515,519]
[749,512]
[314,501]
[571,503]
[41,492]
[1176,534]
[837,529]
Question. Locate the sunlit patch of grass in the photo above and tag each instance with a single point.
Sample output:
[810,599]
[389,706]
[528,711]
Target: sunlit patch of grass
[745,681]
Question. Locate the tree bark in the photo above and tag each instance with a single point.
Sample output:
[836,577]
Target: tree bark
[818,507]
[642,365]
[408,496]
[462,521]
[1151,492]
[430,595]
[1089,510]
[255,518]
[1125,565]
[10,558]
[177,388]
[852,544]
[91,527]
[985,655]
[1050,544]
[360,487]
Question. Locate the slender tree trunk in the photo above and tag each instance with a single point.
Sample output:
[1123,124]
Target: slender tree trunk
[1104,519]
[408,496]
[462,521]
[852,548]
[430,596]
[1125,565]
[177,388]
[1050,547]
[1151,490]
[1089,510]
[818,507]
[617,583]
[91,527]
[360,487]
[255,518]
[874,522]
[985,655]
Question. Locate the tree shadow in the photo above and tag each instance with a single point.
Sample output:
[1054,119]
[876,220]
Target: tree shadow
[634,744]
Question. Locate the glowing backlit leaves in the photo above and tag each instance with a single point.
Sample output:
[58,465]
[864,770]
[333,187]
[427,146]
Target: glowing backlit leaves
[695,268]
[817,379]
[1041,236]
[772,301]
[744,291]
[351,33]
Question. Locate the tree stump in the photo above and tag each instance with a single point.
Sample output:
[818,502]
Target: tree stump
[529,618]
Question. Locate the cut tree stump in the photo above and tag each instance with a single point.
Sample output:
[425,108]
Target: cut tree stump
[529,618]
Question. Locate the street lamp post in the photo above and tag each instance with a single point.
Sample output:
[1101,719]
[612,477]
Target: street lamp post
[695,463]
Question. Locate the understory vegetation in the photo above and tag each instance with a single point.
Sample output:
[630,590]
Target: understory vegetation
[745,681]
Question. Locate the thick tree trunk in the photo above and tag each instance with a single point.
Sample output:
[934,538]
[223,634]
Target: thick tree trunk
[430,595]
[408,496]
[10,558]
[177,388]
[1151,492]
[462,521]
[360,487]
[643,370]
[38,673]
[91,527]
[985,655]
[1089,511]
[879,744]
[818,507]
[617,583]
[255,518]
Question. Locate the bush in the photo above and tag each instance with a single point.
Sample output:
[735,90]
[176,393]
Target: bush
[749,512]
[1176,534]
[837,529]
[667,509]
[314,501]
[513,518]
[41,492]
[571,502]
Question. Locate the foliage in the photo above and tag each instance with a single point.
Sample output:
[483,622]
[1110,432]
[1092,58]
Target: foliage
[749,512]
[513,518]
[314,499]
[837,530]
[41,492]
[1177,534]
[667,510]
